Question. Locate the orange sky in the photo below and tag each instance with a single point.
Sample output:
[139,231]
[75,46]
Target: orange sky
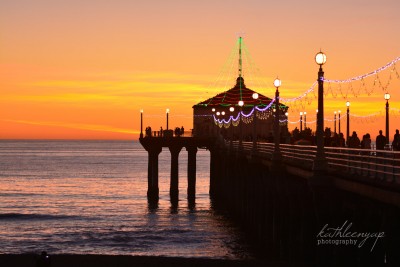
[84,69]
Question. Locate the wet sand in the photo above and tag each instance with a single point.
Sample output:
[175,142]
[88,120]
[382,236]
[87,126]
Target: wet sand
[28,260]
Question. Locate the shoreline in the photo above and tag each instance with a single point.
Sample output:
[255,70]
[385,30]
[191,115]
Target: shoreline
[88,260]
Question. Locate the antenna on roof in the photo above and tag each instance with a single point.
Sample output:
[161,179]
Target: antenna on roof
[240,56]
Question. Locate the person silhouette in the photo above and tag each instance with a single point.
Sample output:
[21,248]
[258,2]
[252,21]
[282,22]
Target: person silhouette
[367,141]
[396,141]
[380,141]
[354,141]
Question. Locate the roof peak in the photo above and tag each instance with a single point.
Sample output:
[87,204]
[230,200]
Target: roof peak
[240,82]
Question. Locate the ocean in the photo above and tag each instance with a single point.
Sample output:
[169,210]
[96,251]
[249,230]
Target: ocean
[89,197]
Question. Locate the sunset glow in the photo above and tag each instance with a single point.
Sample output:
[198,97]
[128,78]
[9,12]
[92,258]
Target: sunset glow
[84,69]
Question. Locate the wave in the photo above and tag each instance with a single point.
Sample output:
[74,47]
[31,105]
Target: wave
[33,216]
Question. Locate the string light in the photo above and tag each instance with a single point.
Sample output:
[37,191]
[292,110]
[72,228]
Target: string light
[350,80]
[301,96]
[367,116]
[247,119]
[357,78]
[242,114]
[302,100]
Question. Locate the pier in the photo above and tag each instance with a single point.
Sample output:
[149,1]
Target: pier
[286,196]
[284,209]
[154,145]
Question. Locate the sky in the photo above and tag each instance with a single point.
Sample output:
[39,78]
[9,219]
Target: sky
[73,69]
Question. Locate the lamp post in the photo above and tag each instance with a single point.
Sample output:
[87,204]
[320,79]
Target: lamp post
[254,151]
[213,125]
[305,120]
[301,121]
[334,121]
[348,123]
[339,121]
[320,164]
[167,116]
[387,97]
[141,124]
[277,156]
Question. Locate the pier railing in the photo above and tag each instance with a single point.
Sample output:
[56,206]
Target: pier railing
[378,165]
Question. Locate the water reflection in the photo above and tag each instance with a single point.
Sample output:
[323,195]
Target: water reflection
[192,204]
[152,205]
[90,197]
[174,205]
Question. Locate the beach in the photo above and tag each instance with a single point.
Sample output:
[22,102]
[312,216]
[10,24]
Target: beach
[65,260]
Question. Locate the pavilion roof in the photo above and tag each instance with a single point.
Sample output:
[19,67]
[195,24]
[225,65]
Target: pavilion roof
[233,95]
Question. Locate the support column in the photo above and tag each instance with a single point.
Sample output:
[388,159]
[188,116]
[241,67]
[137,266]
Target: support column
[254,151]
[152,174]
[213,170]
[174,185]
[191,168]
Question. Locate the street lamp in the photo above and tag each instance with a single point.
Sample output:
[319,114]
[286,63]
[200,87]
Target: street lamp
[348,123]
[141,123]
[301,121]
[334,121]
[305,120]
[167,117]
[320,164]
[339,120]
[254,151]
[277,156]
[231,109]
[387,97]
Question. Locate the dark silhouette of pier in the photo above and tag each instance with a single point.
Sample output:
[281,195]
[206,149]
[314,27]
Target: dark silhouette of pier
[154,145]
[283,209]
[287,197]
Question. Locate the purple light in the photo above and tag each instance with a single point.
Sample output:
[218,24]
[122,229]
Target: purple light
[357,78]
[244,115]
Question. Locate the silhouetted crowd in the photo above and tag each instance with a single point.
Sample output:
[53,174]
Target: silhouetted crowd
[164,133]
[338,140]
